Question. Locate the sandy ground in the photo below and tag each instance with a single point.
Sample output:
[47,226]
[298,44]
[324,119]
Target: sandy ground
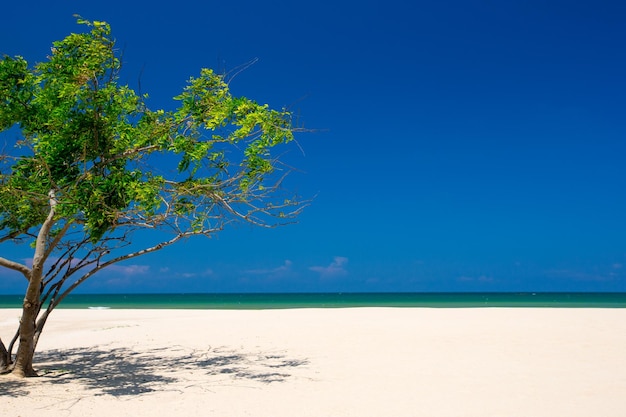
[325,362]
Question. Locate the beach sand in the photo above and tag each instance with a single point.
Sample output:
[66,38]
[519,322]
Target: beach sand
[357,362]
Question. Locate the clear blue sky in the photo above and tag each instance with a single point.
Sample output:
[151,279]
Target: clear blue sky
[460,145]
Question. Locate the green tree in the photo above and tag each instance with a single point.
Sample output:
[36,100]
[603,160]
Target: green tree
[95,166]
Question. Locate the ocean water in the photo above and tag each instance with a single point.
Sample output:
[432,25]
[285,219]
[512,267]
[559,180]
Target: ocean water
[332,300]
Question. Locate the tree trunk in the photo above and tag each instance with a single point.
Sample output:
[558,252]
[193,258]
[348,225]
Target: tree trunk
[26,349]
[5,359]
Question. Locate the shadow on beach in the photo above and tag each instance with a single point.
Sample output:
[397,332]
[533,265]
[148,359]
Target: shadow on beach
[12,387]
[124,371]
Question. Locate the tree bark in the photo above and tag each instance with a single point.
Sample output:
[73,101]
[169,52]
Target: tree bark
[5,360]
[41,322]
[30,309]
[26,349]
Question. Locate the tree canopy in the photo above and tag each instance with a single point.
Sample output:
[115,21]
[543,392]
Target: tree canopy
[94,164]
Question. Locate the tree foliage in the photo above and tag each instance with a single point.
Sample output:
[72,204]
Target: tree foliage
[94,165]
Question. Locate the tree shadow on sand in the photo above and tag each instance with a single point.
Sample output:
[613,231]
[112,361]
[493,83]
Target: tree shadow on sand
[123,371]
[12,387]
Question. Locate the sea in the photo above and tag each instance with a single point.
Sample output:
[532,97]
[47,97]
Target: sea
[263,301]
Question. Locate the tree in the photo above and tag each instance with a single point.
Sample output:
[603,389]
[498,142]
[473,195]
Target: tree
[95,166]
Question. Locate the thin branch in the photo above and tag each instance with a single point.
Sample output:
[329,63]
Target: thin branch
[120,259]
[232,74]
[10,236]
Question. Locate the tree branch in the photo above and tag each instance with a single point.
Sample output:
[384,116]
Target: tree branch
[15,266]
[126,257]
[10,236]
[57,239]
[41,253]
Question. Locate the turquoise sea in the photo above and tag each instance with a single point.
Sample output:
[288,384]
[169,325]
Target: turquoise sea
[333,300]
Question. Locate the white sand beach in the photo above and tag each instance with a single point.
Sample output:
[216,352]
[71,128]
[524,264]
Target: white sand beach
[357,362]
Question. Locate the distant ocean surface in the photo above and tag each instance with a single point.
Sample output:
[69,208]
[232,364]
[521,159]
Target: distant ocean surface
[332,300]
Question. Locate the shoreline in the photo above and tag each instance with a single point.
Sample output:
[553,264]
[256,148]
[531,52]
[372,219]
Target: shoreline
[325,362]
[262,301]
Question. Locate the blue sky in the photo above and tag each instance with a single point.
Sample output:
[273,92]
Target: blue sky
[458,145]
